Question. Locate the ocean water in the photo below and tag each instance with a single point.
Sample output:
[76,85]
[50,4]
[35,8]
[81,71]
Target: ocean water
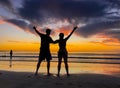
[77,57]
[80,62]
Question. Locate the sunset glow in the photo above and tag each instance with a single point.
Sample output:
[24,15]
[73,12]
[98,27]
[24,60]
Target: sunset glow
[98,30]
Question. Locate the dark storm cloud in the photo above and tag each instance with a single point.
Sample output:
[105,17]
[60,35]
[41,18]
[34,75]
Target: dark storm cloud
[39,10]
[6,3]
[114,2]
[98,16]
[22,24]
[98,27]
[31,10]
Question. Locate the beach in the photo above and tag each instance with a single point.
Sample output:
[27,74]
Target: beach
[83,33]
[83,75]
[87,70]
[80,37]
[9,79]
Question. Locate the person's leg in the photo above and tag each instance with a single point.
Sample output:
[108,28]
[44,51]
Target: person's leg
[48,67]
[66,65]
[10,62]
[48,58]
[38,66]
[59,66]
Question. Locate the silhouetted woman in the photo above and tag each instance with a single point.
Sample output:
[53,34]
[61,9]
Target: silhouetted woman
[62,53]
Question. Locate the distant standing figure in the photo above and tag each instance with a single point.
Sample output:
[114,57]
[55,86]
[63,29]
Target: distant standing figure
[11,53]
[62,53]
[44,49]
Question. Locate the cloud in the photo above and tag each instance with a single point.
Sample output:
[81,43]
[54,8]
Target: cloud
[98,27]
[25,25]
[6,3]
[42,10]
[114,33]
[1,22]
[98,16]
[11,41]
[20,23]
[107,42]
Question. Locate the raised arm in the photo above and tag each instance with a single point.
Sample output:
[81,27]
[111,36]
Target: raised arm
[71,33]
[35,28]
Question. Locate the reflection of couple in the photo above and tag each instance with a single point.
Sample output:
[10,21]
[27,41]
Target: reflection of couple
[45,51]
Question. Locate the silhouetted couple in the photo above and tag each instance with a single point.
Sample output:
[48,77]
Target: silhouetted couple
[45,50]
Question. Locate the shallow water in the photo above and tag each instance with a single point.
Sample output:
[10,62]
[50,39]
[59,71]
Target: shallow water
[100,63]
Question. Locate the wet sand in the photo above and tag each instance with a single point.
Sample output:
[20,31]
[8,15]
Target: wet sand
[21,75]
[11,79]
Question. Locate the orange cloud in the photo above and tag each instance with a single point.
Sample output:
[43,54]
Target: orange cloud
[108,42]
[65,31]
[1,22]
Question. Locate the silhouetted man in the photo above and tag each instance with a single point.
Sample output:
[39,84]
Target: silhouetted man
[11,53]
[44,49]
[62,53]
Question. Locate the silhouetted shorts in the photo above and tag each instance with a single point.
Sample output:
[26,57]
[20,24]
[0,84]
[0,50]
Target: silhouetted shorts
[44,55]
[62,54]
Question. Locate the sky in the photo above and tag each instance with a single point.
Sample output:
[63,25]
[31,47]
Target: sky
[98,24]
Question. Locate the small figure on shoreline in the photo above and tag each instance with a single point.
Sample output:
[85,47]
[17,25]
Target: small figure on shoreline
[11,53]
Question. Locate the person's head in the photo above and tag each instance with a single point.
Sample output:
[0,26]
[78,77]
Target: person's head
[48,31]
[61,35]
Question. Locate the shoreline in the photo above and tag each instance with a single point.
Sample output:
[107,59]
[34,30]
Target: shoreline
[115,58]
[63,61]
[71,59]
[21,66]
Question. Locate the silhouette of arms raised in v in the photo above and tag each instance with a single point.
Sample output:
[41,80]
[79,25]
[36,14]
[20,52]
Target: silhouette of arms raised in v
[71,33]
[35,28]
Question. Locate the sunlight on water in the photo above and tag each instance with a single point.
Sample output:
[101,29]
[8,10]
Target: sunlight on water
[109,66]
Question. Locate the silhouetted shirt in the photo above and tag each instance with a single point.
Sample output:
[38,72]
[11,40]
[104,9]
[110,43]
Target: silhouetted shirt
[45,42]
[62,44]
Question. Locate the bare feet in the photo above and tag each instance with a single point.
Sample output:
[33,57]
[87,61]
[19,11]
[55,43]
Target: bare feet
[68,75]
[36,74]
[58,75]
[49,74]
